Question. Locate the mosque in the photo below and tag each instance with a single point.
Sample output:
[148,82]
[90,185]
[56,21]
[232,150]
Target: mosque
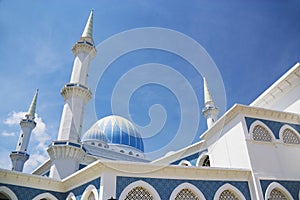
[251,152]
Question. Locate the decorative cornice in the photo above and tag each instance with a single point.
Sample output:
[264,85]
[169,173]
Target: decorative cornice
[84,46]
[28,123]
[76,90]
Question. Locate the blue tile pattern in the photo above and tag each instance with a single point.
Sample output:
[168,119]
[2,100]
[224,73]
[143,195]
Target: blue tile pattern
[274,126]
[164,187]
[79,190]
[27,193]
[292,186]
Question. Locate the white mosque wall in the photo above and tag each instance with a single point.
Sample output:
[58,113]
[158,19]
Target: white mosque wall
[228,149]
[275,159]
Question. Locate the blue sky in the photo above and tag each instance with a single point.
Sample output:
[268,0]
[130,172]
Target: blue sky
[252,44]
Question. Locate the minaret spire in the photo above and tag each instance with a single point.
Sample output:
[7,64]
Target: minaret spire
[210,111]
[88,29]
[66,153]
[31,111]
[20,156]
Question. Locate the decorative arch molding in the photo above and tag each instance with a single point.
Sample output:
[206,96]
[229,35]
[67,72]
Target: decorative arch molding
[260,123]
[275,185]
[90,189]
[143,184]
[187,186]
[71,196]
[185,163]
[285,127]
[229,187]
[46,195]
[202,158]
[8,192]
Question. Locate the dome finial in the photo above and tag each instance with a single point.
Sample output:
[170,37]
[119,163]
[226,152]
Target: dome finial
[207,96]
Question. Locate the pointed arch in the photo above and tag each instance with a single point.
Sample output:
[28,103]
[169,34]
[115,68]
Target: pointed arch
[188,186]
[45,195]
[140,184]
[289,135]
[89,193]
[261,132]
[71,196]
[8,192]
[229,188]
[203,160]
[275,187]
[185,163]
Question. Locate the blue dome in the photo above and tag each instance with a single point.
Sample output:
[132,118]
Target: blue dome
[94,133]
[119,130]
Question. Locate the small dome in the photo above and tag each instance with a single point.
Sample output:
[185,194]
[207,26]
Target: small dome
[94,133]
[119,130]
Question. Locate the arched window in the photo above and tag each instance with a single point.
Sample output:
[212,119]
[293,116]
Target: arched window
[45,196]
[139,193]
[139,190]
[90,193]
[7,194]
[228,195]
[275,191]
[228,192]
[186,194]
[71,196]
[288,135]
[186,191]
[276,194]
[261,132]
[185,163]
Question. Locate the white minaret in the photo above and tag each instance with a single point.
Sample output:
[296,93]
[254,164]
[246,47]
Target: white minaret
[66,152]
[20,156]
[210,111]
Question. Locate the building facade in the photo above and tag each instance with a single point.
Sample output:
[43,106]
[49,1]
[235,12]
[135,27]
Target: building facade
[251,152]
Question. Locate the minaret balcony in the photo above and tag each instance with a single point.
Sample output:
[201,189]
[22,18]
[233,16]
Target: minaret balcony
[76,90]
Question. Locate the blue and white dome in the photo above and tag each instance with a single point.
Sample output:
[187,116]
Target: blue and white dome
[94,133]
[117,130]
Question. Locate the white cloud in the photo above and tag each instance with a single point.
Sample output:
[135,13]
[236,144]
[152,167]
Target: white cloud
[14,118]
[39,140]
[8,134]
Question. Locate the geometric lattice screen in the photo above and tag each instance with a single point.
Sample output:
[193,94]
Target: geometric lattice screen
[186,194]
[277,195]
[290,137]
[139,193]
[261,134]
[228,195]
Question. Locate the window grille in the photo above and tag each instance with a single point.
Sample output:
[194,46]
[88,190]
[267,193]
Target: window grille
[186,194]
[290,137]
[277,195]
[139,193]
[261,134]
[228,195]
